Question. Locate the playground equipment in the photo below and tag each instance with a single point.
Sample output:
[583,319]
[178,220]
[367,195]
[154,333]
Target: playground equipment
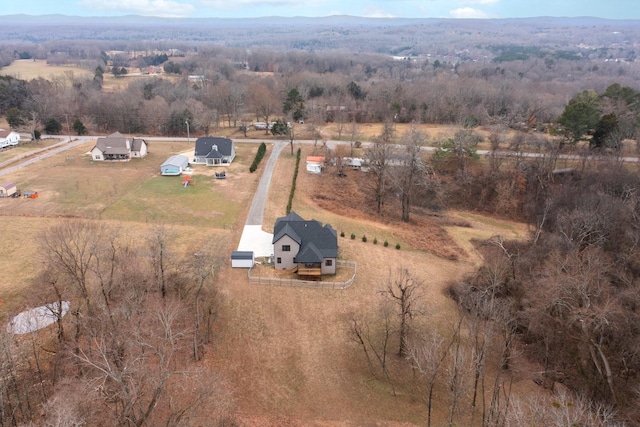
[186,181]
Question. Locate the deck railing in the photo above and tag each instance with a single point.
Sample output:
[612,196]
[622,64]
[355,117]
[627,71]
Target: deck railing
[319,284]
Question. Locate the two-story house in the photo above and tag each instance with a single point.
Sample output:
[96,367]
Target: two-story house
[306,246]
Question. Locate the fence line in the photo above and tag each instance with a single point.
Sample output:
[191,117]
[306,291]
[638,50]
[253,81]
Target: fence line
[319,284]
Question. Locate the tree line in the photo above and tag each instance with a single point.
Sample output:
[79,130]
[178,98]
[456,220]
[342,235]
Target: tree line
[319,88]
[565,299]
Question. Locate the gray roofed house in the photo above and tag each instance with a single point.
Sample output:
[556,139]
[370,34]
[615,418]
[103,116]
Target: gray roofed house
[306,246]
[117,147]
[214,151]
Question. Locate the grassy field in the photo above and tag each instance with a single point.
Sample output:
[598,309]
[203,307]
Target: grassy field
[286,351]
[29,69]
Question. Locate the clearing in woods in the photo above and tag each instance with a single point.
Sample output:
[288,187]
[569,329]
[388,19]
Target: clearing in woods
[286,351]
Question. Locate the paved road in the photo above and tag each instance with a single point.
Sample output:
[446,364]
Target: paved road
[256,212]
[253,238]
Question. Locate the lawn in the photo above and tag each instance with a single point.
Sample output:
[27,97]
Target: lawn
[165,199]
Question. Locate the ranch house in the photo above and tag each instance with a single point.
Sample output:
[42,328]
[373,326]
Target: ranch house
[117,147]
[214,151]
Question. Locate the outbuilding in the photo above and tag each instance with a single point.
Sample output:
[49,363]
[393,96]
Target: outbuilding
[8,189]
[315,164]
[174,165]
[242,259]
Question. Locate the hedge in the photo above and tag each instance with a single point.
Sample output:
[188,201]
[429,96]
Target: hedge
[293,183]
[259,155]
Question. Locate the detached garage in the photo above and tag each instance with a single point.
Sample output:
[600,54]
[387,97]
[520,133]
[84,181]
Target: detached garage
[174,165]
[242,259]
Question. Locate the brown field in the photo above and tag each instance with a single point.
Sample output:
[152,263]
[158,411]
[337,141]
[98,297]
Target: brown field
[286,351]
[28,69]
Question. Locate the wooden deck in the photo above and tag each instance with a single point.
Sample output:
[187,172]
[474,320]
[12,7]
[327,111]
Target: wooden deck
[309,271]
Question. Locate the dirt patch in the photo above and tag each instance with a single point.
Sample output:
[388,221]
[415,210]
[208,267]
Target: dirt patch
[346,196]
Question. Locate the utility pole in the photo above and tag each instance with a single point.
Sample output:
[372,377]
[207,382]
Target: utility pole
[188,137]
[68,128]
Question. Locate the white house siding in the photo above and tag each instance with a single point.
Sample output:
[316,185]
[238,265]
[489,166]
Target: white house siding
[142,152]
[96,154]
[241,259]
[8,139]
[286,258]
[326,269]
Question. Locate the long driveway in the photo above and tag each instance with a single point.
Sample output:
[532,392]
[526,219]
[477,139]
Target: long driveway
[253,237]
[46,152]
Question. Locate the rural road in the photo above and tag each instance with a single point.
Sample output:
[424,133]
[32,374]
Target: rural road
[256,212]
[46,152]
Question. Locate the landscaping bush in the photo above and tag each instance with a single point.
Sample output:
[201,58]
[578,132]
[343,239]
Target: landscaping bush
[397,245]
[262,149]
[375,240]
[342,234]
[386,243]
[364,239]
[353,236]
[293,184]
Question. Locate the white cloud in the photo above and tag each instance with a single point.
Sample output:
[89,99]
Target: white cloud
[163,8]
[226,4]
[481,2]
[374,12]
[469,13]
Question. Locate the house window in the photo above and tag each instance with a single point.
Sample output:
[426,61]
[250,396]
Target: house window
[278,260]
[286,248]
[328,262]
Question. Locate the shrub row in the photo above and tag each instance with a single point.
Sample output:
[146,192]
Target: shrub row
[293,183]
[375,240]
[259,155]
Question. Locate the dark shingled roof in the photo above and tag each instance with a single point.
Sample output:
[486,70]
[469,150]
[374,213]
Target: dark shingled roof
[242,255]
[316,241]
[205,147]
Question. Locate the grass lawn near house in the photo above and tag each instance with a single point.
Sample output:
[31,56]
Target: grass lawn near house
[167,200]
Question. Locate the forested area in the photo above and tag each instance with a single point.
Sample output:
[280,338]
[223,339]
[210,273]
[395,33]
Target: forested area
[126,352]
[236,87]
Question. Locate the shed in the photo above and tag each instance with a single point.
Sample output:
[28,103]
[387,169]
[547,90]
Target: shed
[174,165]
[242,259]
[8,189]
[315,164]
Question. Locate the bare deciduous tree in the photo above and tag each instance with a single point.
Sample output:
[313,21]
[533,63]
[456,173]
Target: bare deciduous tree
[377,158]
[427,355]
[404,289]
[412,171]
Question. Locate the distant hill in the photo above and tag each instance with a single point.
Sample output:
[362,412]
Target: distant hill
[356,34]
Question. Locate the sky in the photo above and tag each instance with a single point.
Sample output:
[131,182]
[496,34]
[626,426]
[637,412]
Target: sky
[612,9]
